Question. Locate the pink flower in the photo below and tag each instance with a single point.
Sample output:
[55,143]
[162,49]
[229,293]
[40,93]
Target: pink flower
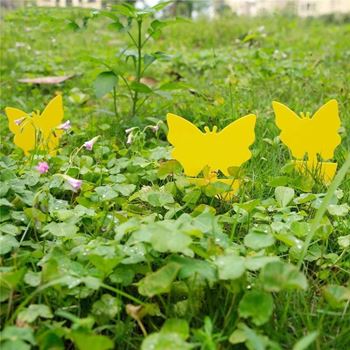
[19,121]
[89,144]
[42,167]
[65,126]
[74,183]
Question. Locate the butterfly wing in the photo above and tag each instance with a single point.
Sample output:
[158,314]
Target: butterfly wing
[189,144]
[293,134]
[47,123]
[25,132]
[232,144]
[326,123]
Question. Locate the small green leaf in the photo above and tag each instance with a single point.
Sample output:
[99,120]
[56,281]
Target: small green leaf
[106,308]
[7,243]
[336,295]
[104,83]
[125,189]
[10,229]
[237,337]
[140,87]
[158,282]
[191,267]
[338,210]
[230,267]
[106,193]
[10,279]
[169,167]
[257,240]
[33,312]
[15,345]
[116,25]
[160,6]
[165,236]
[5,203]
[124,10]
[306,341]
[256,262]
[35,214]
[192,196]
[344,241]
[277,276]
[32,278]
[61,229]
[85,341]
[159,199]
[178,326]
[72,25]
[284,195]
[148,59]
[254,341]
[18,333]
[165,340]
[257,305]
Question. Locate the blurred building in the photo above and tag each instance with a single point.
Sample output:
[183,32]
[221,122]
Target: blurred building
[307,8]
[64,3]
[303,8]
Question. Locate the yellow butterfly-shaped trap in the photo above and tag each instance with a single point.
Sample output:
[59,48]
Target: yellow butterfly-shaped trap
[311,138]
[37,131]
[218,151]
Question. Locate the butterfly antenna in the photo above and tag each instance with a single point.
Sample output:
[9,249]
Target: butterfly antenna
[206,129]
[215,128]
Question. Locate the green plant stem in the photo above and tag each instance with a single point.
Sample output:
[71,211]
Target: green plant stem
[59,281]
[138,65]
[323,207]
[120,292]
[115,102]
[33,294]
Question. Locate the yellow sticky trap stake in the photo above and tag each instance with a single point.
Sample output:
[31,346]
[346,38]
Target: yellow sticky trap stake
[35,130]
[311,137]
[195,150]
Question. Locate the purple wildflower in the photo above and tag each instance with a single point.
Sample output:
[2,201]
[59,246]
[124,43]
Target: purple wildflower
[42,167]
[89,144]
[65,126]
[74,183]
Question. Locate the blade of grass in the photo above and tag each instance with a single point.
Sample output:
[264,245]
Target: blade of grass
[323,207]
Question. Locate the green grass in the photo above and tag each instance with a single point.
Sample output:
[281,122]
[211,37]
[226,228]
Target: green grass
[137,233]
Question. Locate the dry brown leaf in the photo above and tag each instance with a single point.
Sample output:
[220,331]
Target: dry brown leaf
[46,80]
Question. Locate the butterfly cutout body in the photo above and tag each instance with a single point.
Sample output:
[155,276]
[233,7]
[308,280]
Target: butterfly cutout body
[195,149]
[37,130]
[306,136]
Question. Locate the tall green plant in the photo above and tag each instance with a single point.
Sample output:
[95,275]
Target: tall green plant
[140,26]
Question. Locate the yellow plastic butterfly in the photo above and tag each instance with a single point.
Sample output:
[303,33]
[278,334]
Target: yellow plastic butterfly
[35,130]
[304,135]
[195,150]
[308,137]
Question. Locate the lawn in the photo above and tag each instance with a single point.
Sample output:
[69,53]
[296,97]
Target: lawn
[132,255]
